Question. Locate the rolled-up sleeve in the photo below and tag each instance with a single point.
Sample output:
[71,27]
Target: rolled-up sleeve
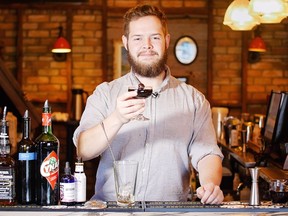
[95,110]
[204,140]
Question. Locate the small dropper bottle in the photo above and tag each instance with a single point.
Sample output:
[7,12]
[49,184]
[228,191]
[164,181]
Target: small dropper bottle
[67,187]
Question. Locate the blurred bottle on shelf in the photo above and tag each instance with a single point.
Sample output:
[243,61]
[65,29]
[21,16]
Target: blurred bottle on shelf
[26,164]
[7,165]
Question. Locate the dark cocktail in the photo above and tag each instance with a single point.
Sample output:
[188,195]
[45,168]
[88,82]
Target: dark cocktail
[142,92]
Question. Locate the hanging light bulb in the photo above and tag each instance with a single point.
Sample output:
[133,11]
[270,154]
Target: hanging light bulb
[61,45]
[269,11]
[237,16]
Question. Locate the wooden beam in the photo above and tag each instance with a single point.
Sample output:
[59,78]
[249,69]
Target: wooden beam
[69,61]
[244,64]
[51,6]
[210,54]
[13,90]
[19,46]
[104,61]
[170,12]
[114,10]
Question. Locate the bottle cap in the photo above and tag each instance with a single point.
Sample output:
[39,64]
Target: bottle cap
[4,124]
[79,165]
[67,169]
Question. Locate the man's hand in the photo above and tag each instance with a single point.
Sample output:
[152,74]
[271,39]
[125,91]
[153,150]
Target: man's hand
[210,194]
[128,107]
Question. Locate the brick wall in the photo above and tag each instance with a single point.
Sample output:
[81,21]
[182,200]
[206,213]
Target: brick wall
[270,73]
[87,69]
[8,26]
[43,78]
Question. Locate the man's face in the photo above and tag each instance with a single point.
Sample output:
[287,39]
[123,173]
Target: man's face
[147,46]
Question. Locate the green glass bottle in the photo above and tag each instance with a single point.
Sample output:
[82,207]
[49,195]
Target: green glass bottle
[47,166]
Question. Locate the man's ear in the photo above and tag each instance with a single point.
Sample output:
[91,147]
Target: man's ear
[124,41]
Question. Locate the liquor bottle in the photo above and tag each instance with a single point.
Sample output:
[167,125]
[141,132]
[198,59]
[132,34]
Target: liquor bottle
[26,164]
[12,121]
[47,166]
[80,176]
[67,187]
[7,165]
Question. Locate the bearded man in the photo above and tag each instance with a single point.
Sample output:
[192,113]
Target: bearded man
[179,131]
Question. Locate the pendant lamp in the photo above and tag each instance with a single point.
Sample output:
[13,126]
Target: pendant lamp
[256,47]
[237,16]
[61,45]
[269,11]
[257,44]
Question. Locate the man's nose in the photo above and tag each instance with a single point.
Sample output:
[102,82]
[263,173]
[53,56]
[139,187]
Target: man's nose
[147,44]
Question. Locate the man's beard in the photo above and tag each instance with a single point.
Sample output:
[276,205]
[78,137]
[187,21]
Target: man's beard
[148,70]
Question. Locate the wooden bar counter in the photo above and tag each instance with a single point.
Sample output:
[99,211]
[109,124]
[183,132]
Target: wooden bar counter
[161,208]
[152,209]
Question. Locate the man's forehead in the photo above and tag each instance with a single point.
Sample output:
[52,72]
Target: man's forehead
[146,24]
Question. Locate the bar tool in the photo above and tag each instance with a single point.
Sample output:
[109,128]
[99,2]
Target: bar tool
[254,196]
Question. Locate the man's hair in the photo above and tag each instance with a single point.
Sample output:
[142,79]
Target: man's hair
[142,11]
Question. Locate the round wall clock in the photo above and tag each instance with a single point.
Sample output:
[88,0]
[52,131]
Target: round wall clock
[185,50]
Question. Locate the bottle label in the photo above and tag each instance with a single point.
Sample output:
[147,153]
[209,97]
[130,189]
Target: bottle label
[79,167]
[50,168]
[46,119]
[80,187]
[67,192]
[27,156]
[7,184]
[4,135]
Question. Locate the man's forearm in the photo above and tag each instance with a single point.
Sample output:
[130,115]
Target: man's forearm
[93,142]
[210,170]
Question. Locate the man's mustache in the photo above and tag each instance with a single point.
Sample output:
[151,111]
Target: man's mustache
[149,53]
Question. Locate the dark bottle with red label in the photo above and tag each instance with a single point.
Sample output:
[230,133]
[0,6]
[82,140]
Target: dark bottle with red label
[7,165]
[26,164]
[47,166]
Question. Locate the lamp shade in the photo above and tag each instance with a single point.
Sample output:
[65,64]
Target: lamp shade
[269,11]
[61,46]
[237,16]
[257,45]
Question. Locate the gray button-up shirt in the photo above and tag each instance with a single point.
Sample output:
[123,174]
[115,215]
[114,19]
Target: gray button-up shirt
[179,132]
